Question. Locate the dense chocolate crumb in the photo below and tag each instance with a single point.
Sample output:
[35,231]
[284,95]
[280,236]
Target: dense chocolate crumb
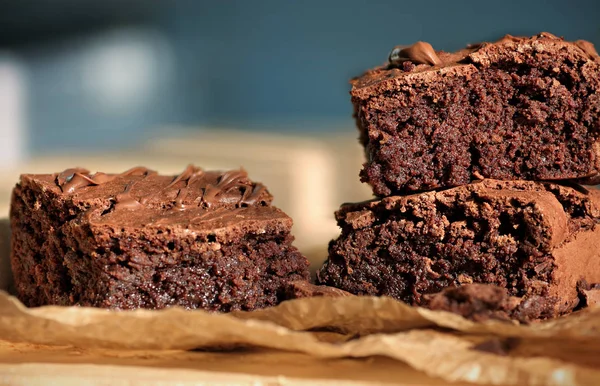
[517,109]
[532,241]
[207,240]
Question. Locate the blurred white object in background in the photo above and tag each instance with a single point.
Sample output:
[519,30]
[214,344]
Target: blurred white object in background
[122,69]
[13,130]
[101,90]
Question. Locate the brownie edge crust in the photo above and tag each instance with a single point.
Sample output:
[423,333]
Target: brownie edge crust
[202,239]
[536,240]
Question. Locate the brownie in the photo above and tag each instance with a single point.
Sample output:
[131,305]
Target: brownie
[517,109]
[482,302]
[202,239]
[536,240]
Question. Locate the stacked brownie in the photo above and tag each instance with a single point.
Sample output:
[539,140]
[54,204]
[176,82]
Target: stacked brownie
[476,157]
[137,239]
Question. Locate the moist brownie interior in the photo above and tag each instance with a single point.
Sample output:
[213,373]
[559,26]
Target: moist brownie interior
[520,108]
[202,239]
[536,240]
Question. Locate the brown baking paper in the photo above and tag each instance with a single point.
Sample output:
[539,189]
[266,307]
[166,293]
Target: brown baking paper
[451,354]
[24,364]
[444,345]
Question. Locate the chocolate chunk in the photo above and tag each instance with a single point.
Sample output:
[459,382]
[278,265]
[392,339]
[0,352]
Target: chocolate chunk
[418,53]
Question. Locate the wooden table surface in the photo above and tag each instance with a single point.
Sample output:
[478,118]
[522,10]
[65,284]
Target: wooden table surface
[26,364]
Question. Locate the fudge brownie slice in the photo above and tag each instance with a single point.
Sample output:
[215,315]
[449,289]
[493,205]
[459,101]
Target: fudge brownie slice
[201,239]
[516,109]
[537,240]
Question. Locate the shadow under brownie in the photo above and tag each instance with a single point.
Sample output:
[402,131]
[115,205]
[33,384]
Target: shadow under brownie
[201,239]
[536,240]
[517,109]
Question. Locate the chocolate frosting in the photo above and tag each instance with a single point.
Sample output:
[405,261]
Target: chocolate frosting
[192,188]
[195,199]
[231,180]
[124,201]
[418,53]
[423,52]
[219,222]
[212,205]
[421,58]
[72,179]
[67,175]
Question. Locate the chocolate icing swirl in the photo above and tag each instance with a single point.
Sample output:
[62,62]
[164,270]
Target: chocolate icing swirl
[232,180]
[125,201]
[423,52]
[189,173]
[211,188]
[72,179]
[418,53]
[213,194]
[66,175]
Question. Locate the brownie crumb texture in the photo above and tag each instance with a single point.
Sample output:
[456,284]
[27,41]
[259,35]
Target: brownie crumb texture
[516,109]
[532,241]
[208,240]
[476,158]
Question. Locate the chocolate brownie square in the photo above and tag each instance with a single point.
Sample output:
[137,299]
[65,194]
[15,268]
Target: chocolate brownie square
[138,239]
[516,109]
[536,240]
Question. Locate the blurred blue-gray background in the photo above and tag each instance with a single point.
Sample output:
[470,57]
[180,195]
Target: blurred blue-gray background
[105,74]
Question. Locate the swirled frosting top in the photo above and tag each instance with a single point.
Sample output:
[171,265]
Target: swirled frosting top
[196,198]
[421,61]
